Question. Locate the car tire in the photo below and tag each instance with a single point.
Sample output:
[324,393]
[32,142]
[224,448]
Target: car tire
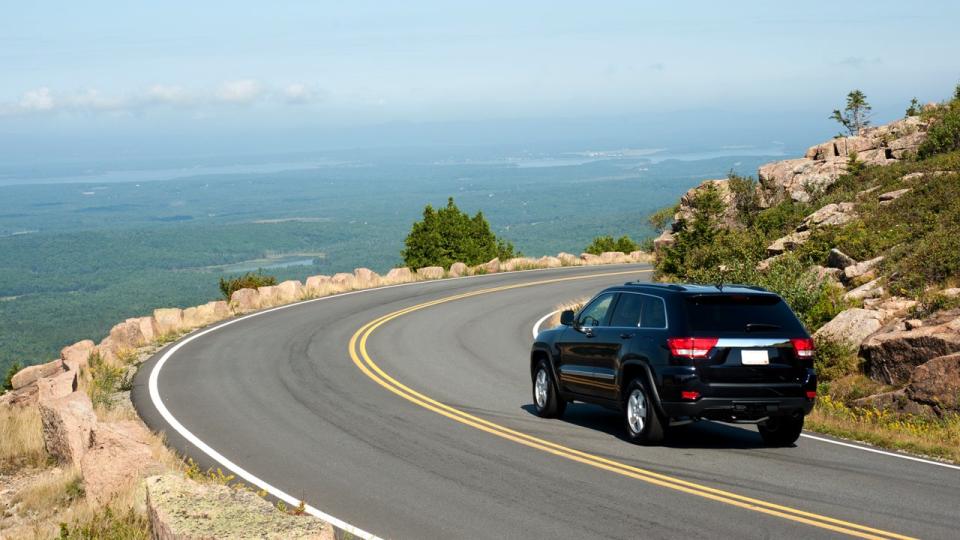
[642,423]
[547,401]
[781,430]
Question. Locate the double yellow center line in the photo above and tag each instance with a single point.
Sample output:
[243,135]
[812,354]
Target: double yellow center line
[362,359]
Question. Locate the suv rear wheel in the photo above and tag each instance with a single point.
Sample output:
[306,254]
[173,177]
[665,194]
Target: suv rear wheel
[642,421]
[546,399]
[781,430]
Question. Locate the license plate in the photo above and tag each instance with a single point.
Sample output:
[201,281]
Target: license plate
[754,358]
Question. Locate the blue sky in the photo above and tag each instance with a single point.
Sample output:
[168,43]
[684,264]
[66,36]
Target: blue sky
[115,68]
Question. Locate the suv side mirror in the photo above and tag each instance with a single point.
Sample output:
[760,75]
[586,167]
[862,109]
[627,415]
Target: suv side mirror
[566,317]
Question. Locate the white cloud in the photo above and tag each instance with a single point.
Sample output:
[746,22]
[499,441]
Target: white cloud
[236,92]
[173,95]
[39,99]
[241,91]
[298,93]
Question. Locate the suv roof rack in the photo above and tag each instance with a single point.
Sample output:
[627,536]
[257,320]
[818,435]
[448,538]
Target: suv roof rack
[685,287]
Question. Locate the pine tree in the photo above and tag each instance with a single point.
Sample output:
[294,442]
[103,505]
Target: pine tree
[449,235]
[856,115]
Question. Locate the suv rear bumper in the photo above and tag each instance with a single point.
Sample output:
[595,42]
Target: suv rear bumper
[734,409]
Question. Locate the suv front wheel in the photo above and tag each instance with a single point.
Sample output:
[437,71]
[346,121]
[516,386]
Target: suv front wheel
[546,400]
[642,422]
[781,430]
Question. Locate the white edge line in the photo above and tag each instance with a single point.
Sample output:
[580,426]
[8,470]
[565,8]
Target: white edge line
[536,325]
[536,331]
[875,451]
[239,471]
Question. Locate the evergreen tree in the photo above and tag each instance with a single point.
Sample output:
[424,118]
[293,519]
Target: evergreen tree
[449,235]
[856,115]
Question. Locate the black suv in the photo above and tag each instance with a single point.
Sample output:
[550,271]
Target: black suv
[667,355]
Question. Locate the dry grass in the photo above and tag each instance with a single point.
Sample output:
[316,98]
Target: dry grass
[58,498]
[22,441]
[554,319]
[51,491]
[935,437]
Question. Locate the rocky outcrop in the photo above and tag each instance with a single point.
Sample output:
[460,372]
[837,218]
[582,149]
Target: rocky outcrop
[290,291]
[891,357]
[316,284]
[937,383]
[665,240]
[491,267]
[67,424]
[244,300]
[181,509]
[549,262]
[831,215]
[343,280]
[823,164]
[30,374]
[789,242]
[458,269]
[431,272]
[641,256]
[167,321]
[852,326]
[890,196]
[862,270]
[590,259]
[365,278]
[568,259]
[77,355]
[269,295]
[119,453]
[56,387]
[615,257]
[838,259]
[400,275]
[871,289]
[685,212]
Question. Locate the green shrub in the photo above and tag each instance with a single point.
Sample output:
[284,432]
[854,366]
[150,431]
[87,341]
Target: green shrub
[835,359]
[105,381]
[943,135]
[660,219]
[250,280]
[601,244]
[746,198]
[448,235]
[108,525]
[8,379]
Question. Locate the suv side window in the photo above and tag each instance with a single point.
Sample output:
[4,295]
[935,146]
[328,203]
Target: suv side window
[628,310]
[654,313]
[596,313]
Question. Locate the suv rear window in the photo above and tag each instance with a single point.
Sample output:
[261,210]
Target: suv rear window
[741,313]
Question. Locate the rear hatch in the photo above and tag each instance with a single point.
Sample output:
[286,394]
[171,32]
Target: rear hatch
[759,340]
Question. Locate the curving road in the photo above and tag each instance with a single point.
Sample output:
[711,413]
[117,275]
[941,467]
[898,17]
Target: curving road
[405,412]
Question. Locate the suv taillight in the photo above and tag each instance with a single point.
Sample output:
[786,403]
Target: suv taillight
[804,347]
[691,347]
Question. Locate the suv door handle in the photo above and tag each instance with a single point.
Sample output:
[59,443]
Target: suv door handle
[626,335]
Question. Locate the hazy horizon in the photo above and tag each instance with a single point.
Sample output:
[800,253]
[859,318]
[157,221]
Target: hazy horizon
[114,81]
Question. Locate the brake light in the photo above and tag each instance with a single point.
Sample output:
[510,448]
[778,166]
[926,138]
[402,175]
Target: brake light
[811,394]
[691,347]
[803,346]
[691,395]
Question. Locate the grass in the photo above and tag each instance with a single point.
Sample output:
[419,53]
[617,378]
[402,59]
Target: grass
[52,491]
[936,437]
[22,442]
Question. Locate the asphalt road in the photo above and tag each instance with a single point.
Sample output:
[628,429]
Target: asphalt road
[291,396]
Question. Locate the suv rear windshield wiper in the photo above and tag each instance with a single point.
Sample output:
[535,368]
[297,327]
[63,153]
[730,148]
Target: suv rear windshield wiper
[753,327]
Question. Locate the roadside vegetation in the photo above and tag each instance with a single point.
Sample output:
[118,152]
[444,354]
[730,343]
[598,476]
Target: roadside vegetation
[250,280]
[449,235]
[601,244]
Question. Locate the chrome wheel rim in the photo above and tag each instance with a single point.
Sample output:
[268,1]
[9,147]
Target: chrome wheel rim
[637,411]
[541,389]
